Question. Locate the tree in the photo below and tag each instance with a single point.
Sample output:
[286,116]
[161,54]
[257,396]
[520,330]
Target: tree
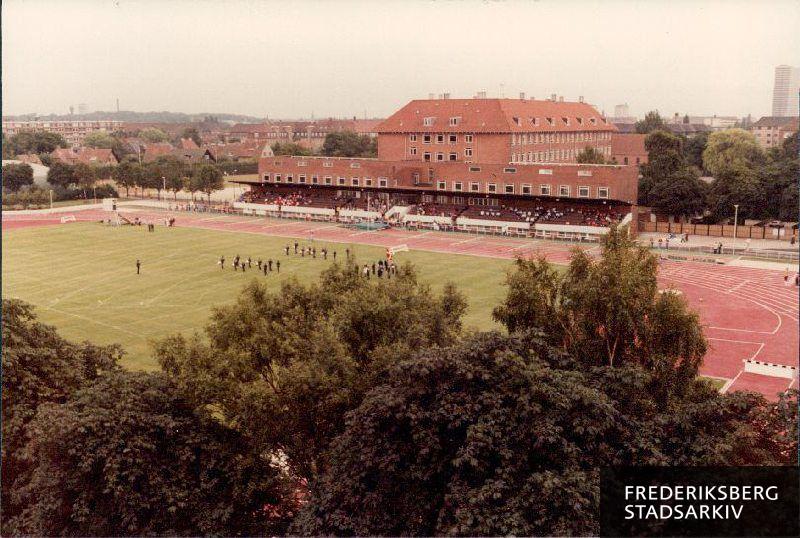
[693,149]
[100,139]
[39,367]
[16,176]
[7,150]
[348,144]
[127,174]
[128,456]
[36,142]
[85,176]
[608,311]
[665,158]
[194,134]
[61,175]
[590,155]
[682,195]
[285,367]
[208,179]
[731,151]
[153,135]
[740,185]
[152,177]
[289,148]
[651,122]
[174,172]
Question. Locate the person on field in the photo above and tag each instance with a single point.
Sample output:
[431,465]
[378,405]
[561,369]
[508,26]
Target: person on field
[366,271]
[222,262]
[380,271]
[347,254]
[295,247]
[278,266]
[259,264]
[265,269]
[287,250]
[270,264]
[373,268]
[334,255]
[249,262]
[138,266]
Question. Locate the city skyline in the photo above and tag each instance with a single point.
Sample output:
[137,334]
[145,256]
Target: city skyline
[295,60]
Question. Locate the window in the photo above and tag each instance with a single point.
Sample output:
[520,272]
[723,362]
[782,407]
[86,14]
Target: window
[453,156]
[301,178]
[457,186]
[544,190]
[328,180]
[266,177]
[455,120]
[585,173]
[277,178]
[475,187]
[412,138]
[509,189]
[289,178]
[440,156]
[549,121]
[565,120]
[458,200]
[583,192]
[510,170]
[426,139]
[301,163]
[491,187]
[474,168]
[315,179]
[602,192]
[468,139]
[355,165]
[412,151]
[453,139]
[526,189]
[340,180]
[545,171]
[468,152]
[440,139]
[624,160]
[427,122]
[327,164]
[441,185]
[354,181]
[427,156]
[563,190]
[382,182]
[368,182]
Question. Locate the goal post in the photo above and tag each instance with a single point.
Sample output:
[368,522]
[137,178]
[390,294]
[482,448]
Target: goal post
[68,218]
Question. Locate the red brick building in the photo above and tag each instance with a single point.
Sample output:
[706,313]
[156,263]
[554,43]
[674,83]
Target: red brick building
[628,149]
[497,131]
[91,156]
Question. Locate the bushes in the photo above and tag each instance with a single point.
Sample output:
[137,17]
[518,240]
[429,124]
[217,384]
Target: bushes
[39,198]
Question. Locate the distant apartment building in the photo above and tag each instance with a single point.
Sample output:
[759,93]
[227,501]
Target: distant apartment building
[785,102]
[771,131]
[307,133]
[493,131]
[73,131]
[622,116]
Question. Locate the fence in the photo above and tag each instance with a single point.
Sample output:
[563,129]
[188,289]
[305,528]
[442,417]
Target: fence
[718,230]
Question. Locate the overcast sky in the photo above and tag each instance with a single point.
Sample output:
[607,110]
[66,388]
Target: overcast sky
[285,59]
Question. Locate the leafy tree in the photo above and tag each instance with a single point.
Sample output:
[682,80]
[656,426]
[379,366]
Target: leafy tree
[100,139]
[608,311]
[85,176]
[194,134]
[285,367]
[61,175]
[207,178]
[683,194]
[36,142]
[590,155]
[127,174]
[7,150]
[740,185]
[128,456]
[348,144]
[153,135]
[290,148]
[39,367]
[152,177]
[693,149]
[16,176]
[651,122]
[174,171]
[731,151]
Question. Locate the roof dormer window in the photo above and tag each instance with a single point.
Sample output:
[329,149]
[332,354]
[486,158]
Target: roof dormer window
[455,121]
[549,121]
[428,122]
[516,120]
[535,122]
[580,121]
[593,121]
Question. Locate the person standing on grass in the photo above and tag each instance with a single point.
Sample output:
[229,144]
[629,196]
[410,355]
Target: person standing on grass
[287,250]
[222,262]
[334,255]
[243,267]
[270,265]
[324,253]
[373,268]
[347,254]
[249,262]
[278,266]
[265,269]
[366,271]
[259,264]
[295,247]
[138,266]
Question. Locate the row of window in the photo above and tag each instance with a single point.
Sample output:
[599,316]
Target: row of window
[440,138]
[556,138]
[584,191]
[430,120]
[326,180]
[452,156]
[553,155]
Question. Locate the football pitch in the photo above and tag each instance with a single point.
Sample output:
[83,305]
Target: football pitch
[82,278]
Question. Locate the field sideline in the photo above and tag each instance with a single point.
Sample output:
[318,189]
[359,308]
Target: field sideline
[82,278]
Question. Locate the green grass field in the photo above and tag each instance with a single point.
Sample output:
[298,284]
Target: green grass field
[82,278]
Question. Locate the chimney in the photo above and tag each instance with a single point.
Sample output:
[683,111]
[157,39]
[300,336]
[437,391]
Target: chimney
[561,99]
[431,96]
[482,95]
[580,99]
[522,96]
[553,97]
[446,95]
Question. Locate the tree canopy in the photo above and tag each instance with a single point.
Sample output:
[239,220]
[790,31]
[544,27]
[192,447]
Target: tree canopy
[61,175]
[35,142]
[730,151]
[153,135]
[651,122]
[349,144]
[193,134]
[590,155]
[16,176]
[290,148]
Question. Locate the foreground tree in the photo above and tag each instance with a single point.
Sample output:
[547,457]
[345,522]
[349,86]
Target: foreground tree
[16,176]
[128,456]
[39,367]
[608,311]
[285,367]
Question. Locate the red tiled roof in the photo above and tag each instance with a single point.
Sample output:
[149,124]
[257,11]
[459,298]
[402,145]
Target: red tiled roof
[84,155]
[790,123]
[628,144]
[495,116]
[188,143]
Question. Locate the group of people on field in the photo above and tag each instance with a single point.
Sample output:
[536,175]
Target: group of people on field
[265,267]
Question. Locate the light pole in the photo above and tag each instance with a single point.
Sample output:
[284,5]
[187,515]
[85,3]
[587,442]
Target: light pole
[735,225]
[163,186]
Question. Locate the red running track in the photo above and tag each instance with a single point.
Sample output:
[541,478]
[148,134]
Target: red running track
[748,314]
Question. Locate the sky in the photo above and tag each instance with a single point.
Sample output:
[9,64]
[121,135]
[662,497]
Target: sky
[336,58]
